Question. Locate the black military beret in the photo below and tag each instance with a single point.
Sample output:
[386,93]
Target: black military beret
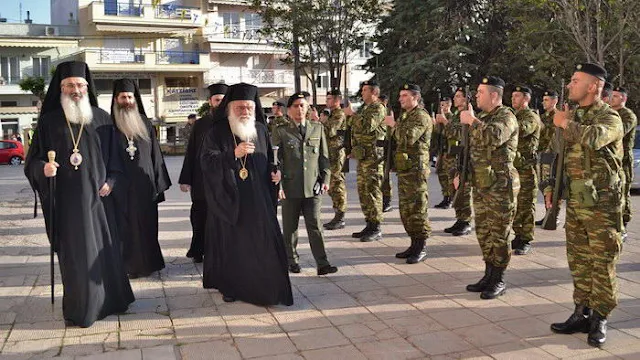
[278,103]
[493,81]
[411,87]
[593,70]
[523,89]
[551,93]
[334,92]
[294,97]
[620,89]
[461,89]
[370,83]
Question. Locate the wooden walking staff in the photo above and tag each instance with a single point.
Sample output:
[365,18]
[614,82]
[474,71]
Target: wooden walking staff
[52,202]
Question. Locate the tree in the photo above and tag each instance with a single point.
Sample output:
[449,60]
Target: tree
[34,84]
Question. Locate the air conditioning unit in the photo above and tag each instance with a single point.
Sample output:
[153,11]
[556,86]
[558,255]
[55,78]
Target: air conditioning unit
[51,31]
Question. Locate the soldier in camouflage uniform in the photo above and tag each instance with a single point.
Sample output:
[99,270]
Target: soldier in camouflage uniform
[367,146]
[629,122]
[445,159]
[413,134]
[334,129]
[606,92]
[593,168]
[453,134]
[549,103]
[493,141]
[278,116]
[386,180]
[525,162]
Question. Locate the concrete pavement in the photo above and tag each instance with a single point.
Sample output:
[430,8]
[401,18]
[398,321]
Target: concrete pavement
[375,307]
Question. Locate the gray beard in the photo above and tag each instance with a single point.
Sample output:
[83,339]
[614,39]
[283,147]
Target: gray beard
[77,112]
[246,131]
[129,122]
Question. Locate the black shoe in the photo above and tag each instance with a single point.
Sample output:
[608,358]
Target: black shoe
[445,203]
[226,298]
[419,252]
[522,249]
[454,227]
[597,330]
[577,322]
[482,284]
[336,223]
[329,269]
[496,286]
[539,222]
[190,253]
[358,235]
[386,205]
[374,233]
[197,258]
[294,268]
[405,254]
[464,229]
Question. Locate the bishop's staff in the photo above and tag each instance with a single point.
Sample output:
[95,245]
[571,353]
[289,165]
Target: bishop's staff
[52,204]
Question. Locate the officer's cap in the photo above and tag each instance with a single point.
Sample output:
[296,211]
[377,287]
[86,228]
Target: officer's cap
[294,97]
[493,81]
[593,70]
[410,87]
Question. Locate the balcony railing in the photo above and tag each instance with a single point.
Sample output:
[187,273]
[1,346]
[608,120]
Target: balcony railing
[122,9]
[177,57]
[170,11]
[120,56]
[253,76]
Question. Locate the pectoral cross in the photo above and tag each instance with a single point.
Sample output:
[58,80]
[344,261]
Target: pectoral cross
[131,149]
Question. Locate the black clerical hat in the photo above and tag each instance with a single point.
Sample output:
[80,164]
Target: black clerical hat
[493,81]
[66,70]
[593,70]
[334,92]
[127,85]
[523,89]
[217,89]
[240,91]
[551,93]
[294,97]
[620,89]
[410,87]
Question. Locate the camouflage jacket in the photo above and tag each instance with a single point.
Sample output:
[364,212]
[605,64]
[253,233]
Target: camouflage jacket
[367,125]
[413,136]
[494,142]
[528,137]
[547,130]
[629,123]
[453,129]
[277,121]
[333,128]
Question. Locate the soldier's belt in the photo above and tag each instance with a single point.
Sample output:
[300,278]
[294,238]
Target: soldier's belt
[456,150]
[380,143]
[547,158]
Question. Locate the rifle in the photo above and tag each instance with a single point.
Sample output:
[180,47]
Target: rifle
[389,149]
[462,184]
[439,131]
[551,217]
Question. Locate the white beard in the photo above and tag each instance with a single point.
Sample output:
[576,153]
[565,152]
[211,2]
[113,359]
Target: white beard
[77,112]
[129,122]
[243,127]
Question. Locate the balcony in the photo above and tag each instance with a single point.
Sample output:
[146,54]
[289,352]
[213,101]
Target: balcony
[144,61]
[264,78]
[144,18]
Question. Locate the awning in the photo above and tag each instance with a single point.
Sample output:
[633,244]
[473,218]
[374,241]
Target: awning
[141,29]
[17,110]
[41,42]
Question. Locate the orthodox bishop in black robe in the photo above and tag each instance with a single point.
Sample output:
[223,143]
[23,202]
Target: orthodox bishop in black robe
[87,169]
[146,181]
[191,174]
[245,258]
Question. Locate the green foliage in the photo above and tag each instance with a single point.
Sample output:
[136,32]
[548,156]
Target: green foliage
[34,84]
[203,109]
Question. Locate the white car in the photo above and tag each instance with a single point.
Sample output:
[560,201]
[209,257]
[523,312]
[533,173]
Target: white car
[636,161]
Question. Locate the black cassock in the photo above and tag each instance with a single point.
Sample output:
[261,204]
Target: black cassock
[93,276]
[191,174]
[137,202]
[244,250]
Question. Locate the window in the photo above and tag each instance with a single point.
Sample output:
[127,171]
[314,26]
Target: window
[180,82]
[103,86]
[322,81]
[145,86]
[41,66]
[8,104]
[10,69]
[365,49]
[231,25]
[253,24]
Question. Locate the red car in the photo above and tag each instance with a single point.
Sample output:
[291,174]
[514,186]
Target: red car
[11,152]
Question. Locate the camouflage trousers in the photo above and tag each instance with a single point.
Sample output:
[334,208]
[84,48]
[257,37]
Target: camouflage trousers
[445,163]
[369,184]
[337,184]
[413,195]
[386,187]
[524,221]
[627,211]
[593,246]
[544,174]
[494,209]
[463,208]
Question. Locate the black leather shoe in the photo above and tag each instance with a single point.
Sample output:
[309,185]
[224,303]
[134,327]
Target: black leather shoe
[496,286]
[445,203]
[358,235]
[374,233]
[522,249]
[463,229]
[419,252]
[197,258]
[329,269]
[386,205]
[453,228]
[577,322]
[482,284]
[190,254]
[226,298]
[294,268]
[405,254]
[539,222]
[597,330]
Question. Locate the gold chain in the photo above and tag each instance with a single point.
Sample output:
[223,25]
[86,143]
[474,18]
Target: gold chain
[73,138]
[243,161]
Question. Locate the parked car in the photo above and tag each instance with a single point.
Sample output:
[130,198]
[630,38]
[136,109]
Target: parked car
[11,152]
[635,184]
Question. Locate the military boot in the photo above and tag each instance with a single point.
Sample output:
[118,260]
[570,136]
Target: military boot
[374,233]
[386,204]
[496,286]
[597,329]
[577,322]
[336,223]
[453,228]
[445,203]
[359,234]
[482,284]
[419,252]
[405,254]
[463,229]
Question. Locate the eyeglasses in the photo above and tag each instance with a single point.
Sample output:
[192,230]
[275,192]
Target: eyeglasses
[71,86]
[243,107]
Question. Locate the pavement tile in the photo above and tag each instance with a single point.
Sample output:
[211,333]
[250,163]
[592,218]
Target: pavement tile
[42,347]
[190,301]
[137,339]
[144,321]
[109,324]
[216,350]
[485,335]
[413,325]
[84,345]
[517,350]
[116,355]
[253,326]
[317,338]
[453,319]
[439,343]
[41,330]
[348,352]
[206,331]
[562,345]
[301,320]
[264,345]
[195,316]
[166,352]
[145,305]
[391,349]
